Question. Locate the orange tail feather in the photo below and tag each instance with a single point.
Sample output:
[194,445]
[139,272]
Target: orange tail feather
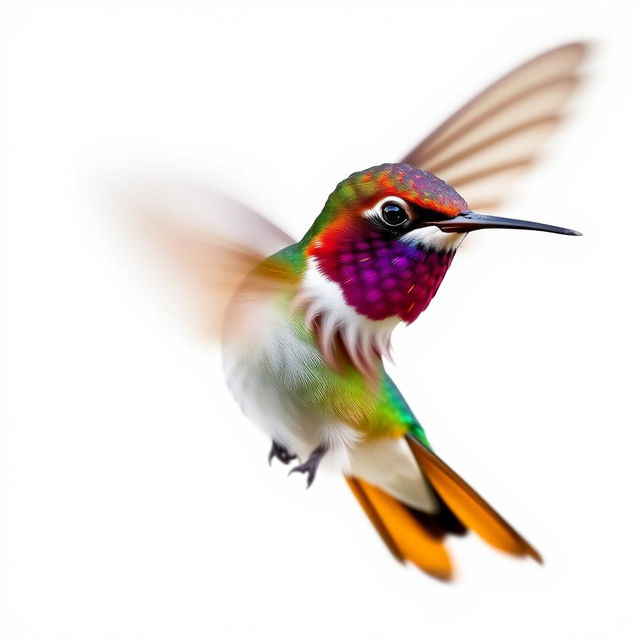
[475,512]
[411,536]
[404,536]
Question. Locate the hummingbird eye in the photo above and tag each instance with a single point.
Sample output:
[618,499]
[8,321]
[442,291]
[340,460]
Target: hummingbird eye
[393,214]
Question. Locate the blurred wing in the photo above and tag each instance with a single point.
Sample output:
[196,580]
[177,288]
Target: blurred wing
[488,143]
[213,243]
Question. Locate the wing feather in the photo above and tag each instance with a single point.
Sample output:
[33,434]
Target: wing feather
[214,242]
[487,144]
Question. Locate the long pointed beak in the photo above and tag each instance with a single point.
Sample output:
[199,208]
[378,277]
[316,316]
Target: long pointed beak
[470,221]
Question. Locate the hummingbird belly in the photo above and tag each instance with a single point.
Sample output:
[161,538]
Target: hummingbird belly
[279,379]
[282,384]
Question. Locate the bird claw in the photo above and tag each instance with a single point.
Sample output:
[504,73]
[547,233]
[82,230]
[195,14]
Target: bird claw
[311,464]
[280,452]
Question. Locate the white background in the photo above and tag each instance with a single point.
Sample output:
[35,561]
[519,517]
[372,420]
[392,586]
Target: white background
[135,501]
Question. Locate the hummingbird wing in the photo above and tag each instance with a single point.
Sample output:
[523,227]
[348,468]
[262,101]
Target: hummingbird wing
[494,138]
[213,242]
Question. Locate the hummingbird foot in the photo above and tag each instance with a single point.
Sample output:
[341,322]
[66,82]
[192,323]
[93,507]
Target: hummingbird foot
[311,464]
[282,453]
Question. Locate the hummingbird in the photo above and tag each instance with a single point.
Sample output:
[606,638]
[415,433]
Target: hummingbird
[306,325]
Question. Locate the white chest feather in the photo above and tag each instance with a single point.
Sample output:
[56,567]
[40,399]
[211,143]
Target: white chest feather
[273,372]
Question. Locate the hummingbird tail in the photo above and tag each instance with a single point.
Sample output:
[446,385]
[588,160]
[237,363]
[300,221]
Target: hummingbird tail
[407,537]
[469,507]
[419,537]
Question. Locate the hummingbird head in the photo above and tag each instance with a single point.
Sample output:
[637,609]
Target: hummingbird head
[386,236]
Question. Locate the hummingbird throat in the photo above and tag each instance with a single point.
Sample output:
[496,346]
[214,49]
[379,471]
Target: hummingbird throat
[380,276]
[355,291]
